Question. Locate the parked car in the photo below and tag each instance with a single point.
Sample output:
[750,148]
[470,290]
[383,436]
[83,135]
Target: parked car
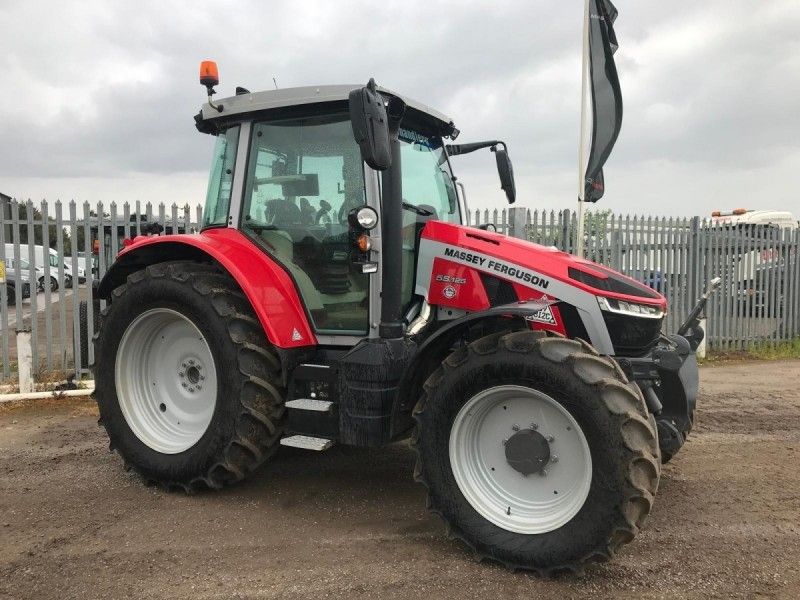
[17,282]
[54,259]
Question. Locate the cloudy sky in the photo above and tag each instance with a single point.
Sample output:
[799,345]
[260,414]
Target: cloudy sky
[98,96]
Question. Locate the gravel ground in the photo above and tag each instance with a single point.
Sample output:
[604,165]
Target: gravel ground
[351,523]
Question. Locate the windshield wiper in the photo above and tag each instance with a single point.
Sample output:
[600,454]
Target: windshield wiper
[423,212]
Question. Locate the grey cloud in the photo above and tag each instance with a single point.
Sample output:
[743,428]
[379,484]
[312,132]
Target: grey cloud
[106,89]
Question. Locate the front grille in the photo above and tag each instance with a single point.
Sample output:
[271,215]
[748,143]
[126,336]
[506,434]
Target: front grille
[632,336]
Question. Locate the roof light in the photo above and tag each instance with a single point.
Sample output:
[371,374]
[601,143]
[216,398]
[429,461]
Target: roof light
[739,211]
[209,75]
[716,213]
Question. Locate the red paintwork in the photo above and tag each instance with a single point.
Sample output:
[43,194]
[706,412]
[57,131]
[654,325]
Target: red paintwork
[465,292]
[541,259]
[268,287]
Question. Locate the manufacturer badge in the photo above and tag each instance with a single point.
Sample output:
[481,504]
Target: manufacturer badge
[449,292]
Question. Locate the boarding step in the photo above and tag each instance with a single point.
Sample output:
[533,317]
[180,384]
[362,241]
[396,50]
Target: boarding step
[307,442]
[323,406]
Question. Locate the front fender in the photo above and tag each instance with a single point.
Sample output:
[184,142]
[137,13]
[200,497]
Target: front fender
[436,346]
[268,287]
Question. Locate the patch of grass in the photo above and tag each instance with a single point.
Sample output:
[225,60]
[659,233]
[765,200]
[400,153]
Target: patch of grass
[759,351]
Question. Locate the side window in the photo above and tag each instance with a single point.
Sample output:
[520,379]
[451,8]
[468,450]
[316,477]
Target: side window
[218,197]
[427,184]
[304,176]
[427,180]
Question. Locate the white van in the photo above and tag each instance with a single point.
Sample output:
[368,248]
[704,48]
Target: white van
[41,255]
[741,217]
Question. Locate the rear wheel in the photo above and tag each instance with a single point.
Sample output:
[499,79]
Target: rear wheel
[188,387]
[536,451]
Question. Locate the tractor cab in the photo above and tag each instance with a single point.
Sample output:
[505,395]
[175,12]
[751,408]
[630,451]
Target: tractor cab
[288,172]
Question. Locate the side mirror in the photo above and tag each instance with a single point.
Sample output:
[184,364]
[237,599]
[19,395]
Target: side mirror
[371,126]
[506,172]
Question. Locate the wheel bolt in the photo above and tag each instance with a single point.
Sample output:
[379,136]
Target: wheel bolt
[515,427]
[505,442]
[181,373]
[551,439]
[534,426]
[183,365]
[201,378]
[191,389]
[554,458]
[191,361]
[199,387]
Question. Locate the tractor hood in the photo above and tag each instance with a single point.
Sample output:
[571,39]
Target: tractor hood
[546,269]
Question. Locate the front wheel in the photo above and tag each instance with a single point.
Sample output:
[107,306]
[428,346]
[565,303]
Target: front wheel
[536,451]
[188,387]
[53,284]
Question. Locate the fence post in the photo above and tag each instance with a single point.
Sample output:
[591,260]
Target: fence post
[693,281]
[516,221]
[24,358]
[566,234]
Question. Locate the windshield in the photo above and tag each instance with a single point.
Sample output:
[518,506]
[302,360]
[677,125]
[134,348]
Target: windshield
[427,179]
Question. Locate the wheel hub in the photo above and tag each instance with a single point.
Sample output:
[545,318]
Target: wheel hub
[190,373]
[527,452]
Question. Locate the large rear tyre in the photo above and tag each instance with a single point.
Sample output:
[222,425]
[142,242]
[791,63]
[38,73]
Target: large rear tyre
[536,451]
[189,388]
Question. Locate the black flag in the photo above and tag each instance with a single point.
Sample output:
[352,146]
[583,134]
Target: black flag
[602,117]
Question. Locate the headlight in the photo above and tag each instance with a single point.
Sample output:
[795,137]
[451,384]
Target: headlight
[632,309]
[364,217]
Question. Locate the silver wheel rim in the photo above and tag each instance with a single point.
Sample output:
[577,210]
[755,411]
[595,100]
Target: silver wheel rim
[166,380]
[532,504]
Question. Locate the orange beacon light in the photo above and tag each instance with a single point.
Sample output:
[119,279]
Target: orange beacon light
[209,75]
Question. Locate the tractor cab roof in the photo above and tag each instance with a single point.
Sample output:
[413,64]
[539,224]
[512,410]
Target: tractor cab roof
[283,101]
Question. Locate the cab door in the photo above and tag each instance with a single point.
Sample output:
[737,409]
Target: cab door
[304,176]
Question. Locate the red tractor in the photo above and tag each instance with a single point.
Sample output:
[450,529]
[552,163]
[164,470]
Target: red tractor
[335,296]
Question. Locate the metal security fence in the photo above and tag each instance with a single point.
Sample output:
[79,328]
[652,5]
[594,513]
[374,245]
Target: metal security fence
[51,254]
[758,301]
[58,250]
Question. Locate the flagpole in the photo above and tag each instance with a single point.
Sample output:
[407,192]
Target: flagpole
[583,133]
